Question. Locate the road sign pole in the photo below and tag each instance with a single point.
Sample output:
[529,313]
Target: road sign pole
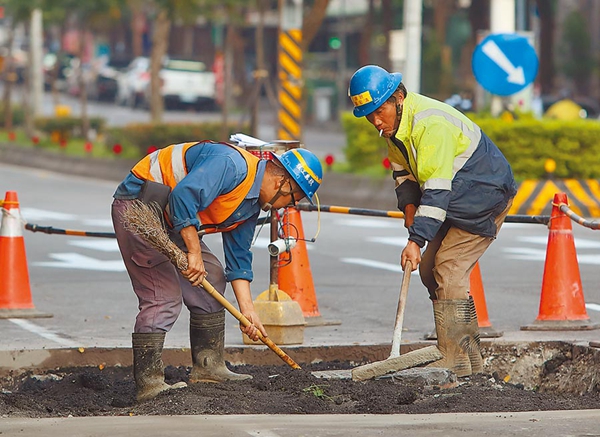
[502,20]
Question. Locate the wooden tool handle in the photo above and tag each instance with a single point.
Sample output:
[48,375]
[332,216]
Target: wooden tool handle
[244,321]
[395,352]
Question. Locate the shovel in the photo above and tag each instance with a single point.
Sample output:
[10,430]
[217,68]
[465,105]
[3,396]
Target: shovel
[395,362]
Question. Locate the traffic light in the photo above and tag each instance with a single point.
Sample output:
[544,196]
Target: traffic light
[335,43]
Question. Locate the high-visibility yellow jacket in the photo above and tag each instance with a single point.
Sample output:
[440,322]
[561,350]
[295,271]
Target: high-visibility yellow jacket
[445,164]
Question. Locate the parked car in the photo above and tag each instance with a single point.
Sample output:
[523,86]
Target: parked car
[186,83]
[104,85]
[132,82]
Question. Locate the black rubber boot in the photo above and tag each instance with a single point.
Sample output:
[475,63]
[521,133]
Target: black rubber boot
[452,325]
[148,367]
[474,341]
[207,340]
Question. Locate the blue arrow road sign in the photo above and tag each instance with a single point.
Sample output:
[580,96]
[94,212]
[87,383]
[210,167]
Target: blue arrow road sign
[504,63]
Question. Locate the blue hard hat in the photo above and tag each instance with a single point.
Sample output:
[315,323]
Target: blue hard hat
[370,87]
[305,168]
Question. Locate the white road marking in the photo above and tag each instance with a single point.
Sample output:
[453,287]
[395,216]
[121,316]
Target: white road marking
[529,254]
[376,264]
[390,241]
[82,262]
[106,223]
[371,223]
[263,433]
[592,306]
[43,332]
[31,214]
[580,243]
[103,245]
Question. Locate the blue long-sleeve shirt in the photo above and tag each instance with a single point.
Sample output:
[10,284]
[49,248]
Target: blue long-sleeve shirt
[213,169]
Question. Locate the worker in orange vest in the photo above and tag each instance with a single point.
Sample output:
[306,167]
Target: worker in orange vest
[202,187]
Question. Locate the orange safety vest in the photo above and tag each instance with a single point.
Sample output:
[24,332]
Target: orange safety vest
[167,166]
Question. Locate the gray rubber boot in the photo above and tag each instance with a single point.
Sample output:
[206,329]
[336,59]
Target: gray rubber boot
[452,325]
[207,340]
[148,367]
[474,341]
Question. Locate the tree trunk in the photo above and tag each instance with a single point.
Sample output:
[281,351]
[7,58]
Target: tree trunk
[443,10]
[387,19]
[9,78]
[312,21]
[364,46]
[227,80]
[547,23]
[85,122]
[160,42]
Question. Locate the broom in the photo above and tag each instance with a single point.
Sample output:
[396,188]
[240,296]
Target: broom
[142,219]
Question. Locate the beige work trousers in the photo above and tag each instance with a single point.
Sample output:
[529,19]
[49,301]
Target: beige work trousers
[450,257]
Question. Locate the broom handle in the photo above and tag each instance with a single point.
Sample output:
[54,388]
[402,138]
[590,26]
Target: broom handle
[244,321]
[395,352]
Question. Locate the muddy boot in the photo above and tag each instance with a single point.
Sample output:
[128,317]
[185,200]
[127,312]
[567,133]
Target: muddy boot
[474,342]
[148,367]
[452,325]
[207,339]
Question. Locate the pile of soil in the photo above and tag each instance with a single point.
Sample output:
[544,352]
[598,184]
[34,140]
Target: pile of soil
[280,390]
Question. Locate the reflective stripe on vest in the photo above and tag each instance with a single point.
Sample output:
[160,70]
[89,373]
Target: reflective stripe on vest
[167,166]
[225,204]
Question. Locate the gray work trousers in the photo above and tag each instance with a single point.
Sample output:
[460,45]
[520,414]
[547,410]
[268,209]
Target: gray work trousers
[449,258]
[160,288]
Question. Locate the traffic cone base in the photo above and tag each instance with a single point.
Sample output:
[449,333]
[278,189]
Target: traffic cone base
[562,304]
[24,313]
[15,292]
[281,316]
[561,325]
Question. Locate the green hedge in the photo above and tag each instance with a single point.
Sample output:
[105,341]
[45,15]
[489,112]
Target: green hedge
[574,145]
[69,126]
[363,148]
[526,143]
[144,136]
[18,116]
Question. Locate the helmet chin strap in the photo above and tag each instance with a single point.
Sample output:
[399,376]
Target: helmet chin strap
[269,205]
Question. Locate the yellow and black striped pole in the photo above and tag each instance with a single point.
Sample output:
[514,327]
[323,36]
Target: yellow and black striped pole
[290,71]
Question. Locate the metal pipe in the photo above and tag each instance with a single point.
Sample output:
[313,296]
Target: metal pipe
[537,219]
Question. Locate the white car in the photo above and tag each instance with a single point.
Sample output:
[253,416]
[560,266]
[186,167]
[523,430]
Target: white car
[131,83]
[186,83]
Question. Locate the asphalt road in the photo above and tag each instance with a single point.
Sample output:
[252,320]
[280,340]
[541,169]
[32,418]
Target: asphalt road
[354,263]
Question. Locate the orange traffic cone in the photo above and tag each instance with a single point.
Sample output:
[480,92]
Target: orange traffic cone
[476,291]
[562,305]
[295,277]
[15,292]
[485,326]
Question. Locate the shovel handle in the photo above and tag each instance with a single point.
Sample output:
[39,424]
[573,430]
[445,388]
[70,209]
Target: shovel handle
[244,321]
[395,352]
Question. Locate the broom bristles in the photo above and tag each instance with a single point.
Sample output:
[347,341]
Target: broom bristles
[142,219]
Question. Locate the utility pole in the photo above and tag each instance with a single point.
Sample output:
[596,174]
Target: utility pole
[502,20]
[413,15]
[290,71]
[35,51]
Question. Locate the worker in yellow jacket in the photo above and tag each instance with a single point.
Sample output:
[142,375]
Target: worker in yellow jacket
[455,188]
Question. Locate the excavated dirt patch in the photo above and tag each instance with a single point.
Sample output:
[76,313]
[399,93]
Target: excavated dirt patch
[527,377]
